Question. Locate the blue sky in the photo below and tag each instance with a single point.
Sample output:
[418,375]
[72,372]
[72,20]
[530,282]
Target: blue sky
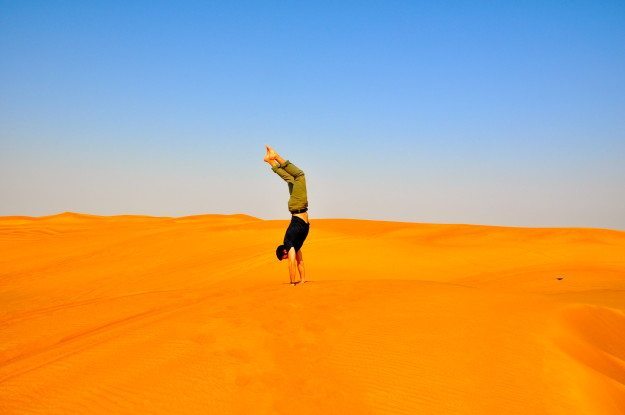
[509,113]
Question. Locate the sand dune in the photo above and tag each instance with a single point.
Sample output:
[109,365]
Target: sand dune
[137,314]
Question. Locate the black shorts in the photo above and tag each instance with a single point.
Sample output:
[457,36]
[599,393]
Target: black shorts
[296,233]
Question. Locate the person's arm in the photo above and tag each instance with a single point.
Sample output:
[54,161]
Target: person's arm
[300,265]
[292,264]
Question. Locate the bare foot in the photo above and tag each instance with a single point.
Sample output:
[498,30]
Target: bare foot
[271,153]
[267,157]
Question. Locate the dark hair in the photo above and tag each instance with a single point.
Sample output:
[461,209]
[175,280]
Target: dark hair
[280,251]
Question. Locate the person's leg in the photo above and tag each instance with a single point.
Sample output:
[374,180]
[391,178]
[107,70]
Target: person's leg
[291,174]
[299,196]
[276,168]
[292,169]
[289,167]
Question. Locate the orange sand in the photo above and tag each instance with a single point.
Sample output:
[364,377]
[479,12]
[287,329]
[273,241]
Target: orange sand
[137,314]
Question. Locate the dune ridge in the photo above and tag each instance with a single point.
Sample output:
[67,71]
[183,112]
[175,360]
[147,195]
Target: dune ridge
[142,314]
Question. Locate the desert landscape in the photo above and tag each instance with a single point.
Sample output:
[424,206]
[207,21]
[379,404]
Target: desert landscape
[138,314]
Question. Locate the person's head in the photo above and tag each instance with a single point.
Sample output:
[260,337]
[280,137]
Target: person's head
[281,252]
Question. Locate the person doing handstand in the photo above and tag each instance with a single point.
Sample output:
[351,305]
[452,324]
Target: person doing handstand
[297,231]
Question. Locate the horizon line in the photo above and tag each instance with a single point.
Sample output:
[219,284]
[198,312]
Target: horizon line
[81,215]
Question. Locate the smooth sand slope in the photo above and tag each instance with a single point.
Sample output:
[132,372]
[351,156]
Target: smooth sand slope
[137,314]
